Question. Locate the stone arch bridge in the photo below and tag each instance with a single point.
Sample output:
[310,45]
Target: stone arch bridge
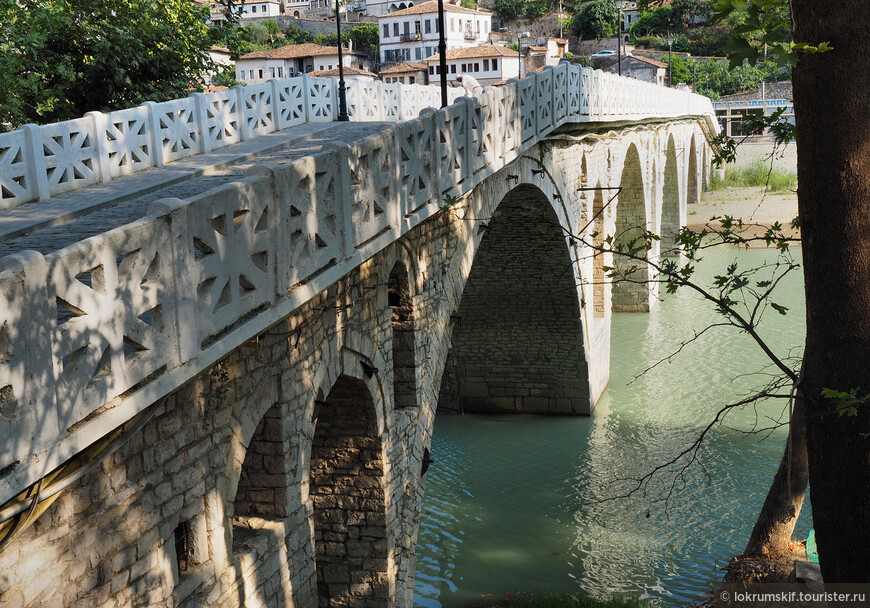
[236,392]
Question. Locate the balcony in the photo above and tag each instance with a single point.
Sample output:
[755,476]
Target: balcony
[410,37]
[469,35]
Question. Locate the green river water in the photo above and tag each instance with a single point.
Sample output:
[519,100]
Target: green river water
[515,503]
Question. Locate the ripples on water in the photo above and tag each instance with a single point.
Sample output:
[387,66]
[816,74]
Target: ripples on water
[523,503]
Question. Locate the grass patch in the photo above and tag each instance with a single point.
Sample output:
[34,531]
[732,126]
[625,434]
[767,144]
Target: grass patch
[756,174]
[564,600]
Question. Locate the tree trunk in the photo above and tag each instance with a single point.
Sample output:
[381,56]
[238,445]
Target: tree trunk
[832,110]
[779,514]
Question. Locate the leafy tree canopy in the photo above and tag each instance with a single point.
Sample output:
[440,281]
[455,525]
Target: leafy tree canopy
[595,20]
[60,59]
[509,10]
[364,36]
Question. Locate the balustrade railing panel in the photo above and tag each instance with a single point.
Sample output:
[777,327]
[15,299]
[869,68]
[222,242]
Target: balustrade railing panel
[222,117]
[417,167]
[451,144]
[544,101]
[291,102]
[70,155]
[313,219]
[230,237]
[178,132]
[115,321]
[258,109]
[373,176]
[129,142]
[322,97]
[17,172]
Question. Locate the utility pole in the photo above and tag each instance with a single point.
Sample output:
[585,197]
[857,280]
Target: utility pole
[619,42]
[442,53]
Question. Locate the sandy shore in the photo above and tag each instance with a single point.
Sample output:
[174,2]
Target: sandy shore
[752,205]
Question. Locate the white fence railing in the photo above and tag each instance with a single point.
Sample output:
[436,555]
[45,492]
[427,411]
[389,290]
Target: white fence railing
[96,332]
[38,162]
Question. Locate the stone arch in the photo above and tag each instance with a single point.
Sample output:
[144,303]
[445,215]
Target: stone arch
[347,488]
[404,352]
[670,202]
[631,292]
[521,283]
[693,191]
[262,486]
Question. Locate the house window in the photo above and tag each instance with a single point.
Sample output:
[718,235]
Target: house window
[476,66]
[418,54]
[486,65]
[411,80]
[431,69]
[250,74]
[428,26]
[253,9]
[495,64]
[386,31]
[280,72]
[271,72]
[437,26]
[395,29]
[260,72]
[407,27]
[453,69]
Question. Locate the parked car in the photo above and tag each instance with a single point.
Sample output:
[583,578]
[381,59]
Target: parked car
[604,53]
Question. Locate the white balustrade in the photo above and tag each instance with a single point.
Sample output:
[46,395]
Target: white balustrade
[96,332]
[37,162]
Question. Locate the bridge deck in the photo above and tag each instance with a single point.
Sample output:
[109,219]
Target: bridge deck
[47,226]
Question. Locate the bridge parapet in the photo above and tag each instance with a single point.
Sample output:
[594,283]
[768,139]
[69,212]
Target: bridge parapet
[38,162]
[94,333]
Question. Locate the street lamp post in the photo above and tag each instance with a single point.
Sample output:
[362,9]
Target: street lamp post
[670,63]
[619,42]
[342,90]
[520,36]
[442,53]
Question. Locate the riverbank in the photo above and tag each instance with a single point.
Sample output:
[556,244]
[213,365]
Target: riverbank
[758,210]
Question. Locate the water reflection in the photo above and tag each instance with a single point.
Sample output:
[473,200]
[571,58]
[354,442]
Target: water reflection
[521,503]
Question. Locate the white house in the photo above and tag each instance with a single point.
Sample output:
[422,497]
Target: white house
[350,74]
[489,64]
[406,73]
[292,60]
[259,9]
[628,9]
[411,34]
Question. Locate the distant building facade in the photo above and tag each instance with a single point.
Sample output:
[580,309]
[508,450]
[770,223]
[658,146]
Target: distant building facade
[292,60]
[766,99]
[412,34]
[407,73]
[249,10]
[490,64]
[641,68]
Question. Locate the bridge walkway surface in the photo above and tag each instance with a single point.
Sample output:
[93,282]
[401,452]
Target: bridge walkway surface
[47,226]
